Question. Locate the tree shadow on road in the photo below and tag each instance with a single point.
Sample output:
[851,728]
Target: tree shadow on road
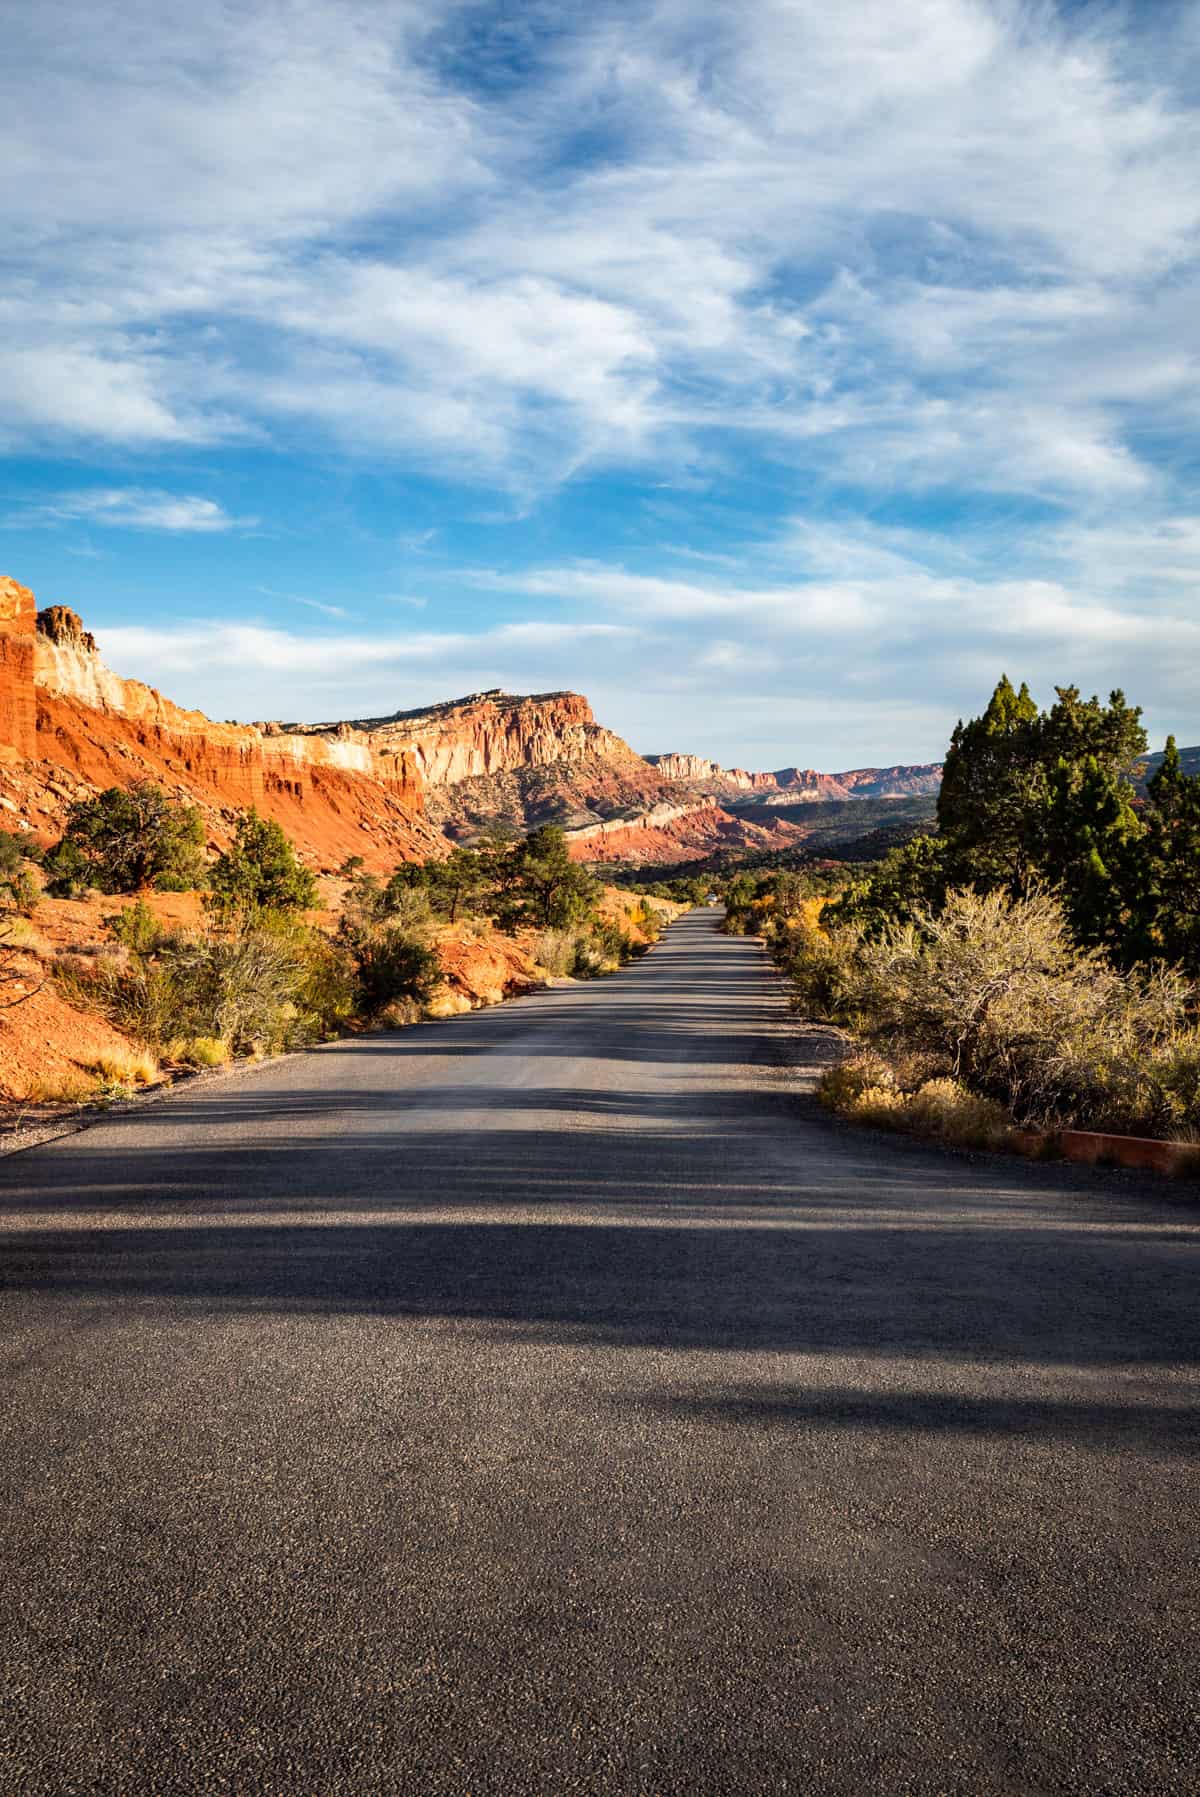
[589,1235]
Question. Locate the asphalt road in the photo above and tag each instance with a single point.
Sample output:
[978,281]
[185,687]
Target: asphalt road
[551,1400]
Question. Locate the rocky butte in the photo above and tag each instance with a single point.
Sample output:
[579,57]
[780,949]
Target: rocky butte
[392,788]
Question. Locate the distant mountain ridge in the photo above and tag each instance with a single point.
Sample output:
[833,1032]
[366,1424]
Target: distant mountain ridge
[1189,762]
[792,785]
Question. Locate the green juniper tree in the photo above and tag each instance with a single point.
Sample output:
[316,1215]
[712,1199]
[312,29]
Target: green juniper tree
[541,885]
[126,839]
[260,872]
[1165,878]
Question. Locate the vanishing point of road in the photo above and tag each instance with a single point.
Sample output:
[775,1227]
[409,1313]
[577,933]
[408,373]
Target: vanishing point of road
[552,1400]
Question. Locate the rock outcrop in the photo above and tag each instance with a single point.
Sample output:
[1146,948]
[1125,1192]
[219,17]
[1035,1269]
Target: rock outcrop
[18,711]
[69,725]
[922,779]
[797,785]
[492,733]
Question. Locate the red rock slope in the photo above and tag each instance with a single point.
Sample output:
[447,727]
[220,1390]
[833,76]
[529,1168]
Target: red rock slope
[336,795]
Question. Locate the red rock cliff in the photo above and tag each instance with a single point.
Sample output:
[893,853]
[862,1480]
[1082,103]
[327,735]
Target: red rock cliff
[491,733]
[68,724]
[18,711]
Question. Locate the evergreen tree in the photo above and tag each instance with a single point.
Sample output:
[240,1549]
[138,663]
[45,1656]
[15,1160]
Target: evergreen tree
[126,839]
[1033,797]
[909,879]
[459,882]
[990,781]
[1088,838]
[1167,901]
[260,871]
[542,885]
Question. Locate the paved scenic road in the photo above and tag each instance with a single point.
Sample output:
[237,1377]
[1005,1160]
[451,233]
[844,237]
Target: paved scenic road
[551,1400]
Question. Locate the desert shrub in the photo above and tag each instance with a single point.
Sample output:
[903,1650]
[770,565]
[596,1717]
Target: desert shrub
[69,872]
[241,988]
[391,965]
[649,920]
[326,991]
[260,872]
[201,1051]
[137,928]
[409,909]
[992,993]
[842,1084]
[326,994]
[19,890]
[555,950]
[404,902]
[942,1107]
[125,839]
[611,946]
[587,953]
[588,963]
[884,1106]
[821,968]
[865,1088]
[1177,1070]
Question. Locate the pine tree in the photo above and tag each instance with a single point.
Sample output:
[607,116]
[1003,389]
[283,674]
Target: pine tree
[1167,909]
[989,783]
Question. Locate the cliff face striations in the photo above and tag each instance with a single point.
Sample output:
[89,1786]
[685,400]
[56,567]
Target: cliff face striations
[795,785]
[18,712]
[496,732]
[392,788]
[336,796]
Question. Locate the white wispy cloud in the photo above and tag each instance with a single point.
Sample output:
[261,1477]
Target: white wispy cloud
[135,508]
[257,670]
[874,244]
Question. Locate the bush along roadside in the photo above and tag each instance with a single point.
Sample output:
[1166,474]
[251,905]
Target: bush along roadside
[256,973]
[984,1025]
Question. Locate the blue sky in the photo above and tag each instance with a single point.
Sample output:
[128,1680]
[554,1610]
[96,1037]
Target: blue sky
[774,373]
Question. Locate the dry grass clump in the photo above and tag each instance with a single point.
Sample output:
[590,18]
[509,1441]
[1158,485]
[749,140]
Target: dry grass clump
[555,951]
[884,1106]
[125,1067]
[201,1051]
[62,1088]
[866,1089]
[840,1087]
[943,1108]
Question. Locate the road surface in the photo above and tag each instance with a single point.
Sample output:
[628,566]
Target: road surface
[551,1400]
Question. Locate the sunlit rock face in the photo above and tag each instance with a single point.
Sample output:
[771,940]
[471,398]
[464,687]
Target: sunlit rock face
[492,733]
[70,725]
[18,711]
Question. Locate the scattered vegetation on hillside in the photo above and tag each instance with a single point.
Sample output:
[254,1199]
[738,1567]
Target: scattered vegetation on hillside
[262,974]
[531,884]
